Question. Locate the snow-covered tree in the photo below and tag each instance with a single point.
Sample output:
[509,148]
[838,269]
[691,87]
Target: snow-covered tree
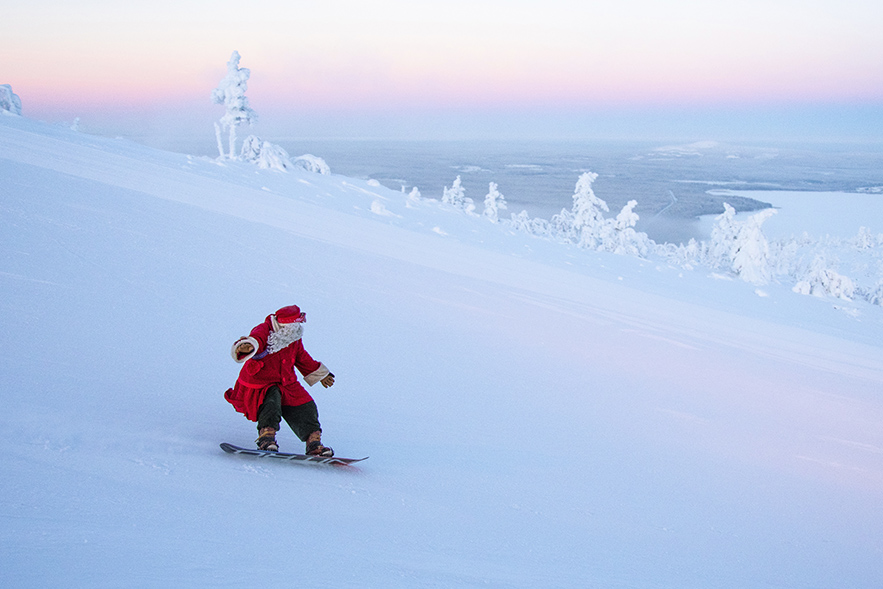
[312,163]
[823,281]
[684,255]
[274,157]
[875,296]
[231,94]
[540,227]
[723,238]
[494,202]
[619,236]
[561,226]
[9,100]
[456,196]
[627,217]
[588,219]
[783,256]
[521,222]
[865,240]
[414,196]
[751,251]
[265,154]
[741,247]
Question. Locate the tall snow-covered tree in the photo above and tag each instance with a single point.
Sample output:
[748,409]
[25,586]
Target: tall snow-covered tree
[751,251]
[588,218]
[494,202]
[723,238]
[230,93]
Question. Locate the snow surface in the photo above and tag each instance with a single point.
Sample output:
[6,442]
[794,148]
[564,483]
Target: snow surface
[537,415]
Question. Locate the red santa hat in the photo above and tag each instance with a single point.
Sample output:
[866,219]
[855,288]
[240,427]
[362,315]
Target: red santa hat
[290,314]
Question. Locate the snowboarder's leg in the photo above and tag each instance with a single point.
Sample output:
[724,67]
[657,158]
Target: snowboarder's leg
[315,447]
[304,422]
[269,416]
[302,419]
[267,439]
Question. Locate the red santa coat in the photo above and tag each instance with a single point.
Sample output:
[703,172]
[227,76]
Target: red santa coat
[267,368]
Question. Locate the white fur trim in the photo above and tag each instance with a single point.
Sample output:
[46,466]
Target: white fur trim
[317,375]
[239,342]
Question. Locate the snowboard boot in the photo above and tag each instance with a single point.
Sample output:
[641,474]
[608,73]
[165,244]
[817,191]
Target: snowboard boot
[267,440]
[315,447]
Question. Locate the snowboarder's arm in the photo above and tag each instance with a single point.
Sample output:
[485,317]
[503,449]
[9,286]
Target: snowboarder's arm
[244,348]
[254,343]
[321,374]
[312,370]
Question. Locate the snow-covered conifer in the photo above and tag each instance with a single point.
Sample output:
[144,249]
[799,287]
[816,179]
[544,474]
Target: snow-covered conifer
[751,252]
[684,255]
[823,281]
[783,256]
[312,163]
[494,202]
[723,238]
[561,226]
[588,219]
[231,94]
[619,236]
[540,227]
[455,195]
[9,100]
[265,154]
[521,222]
[865,240]
[627,217]
[875,296]
[274,157]
[251,148]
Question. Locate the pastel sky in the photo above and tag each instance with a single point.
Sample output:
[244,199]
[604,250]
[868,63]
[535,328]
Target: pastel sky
[389,66]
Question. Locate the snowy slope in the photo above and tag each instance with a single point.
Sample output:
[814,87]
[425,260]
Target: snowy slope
[536,415]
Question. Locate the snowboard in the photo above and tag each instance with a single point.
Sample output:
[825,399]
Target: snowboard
[300,458]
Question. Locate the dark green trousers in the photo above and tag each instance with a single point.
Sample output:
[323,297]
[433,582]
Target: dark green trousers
[302,419]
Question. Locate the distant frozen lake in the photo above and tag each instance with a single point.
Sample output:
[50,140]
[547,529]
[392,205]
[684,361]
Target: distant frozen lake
[838,214]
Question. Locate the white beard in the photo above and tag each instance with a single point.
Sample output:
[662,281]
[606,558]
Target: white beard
[284,336]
